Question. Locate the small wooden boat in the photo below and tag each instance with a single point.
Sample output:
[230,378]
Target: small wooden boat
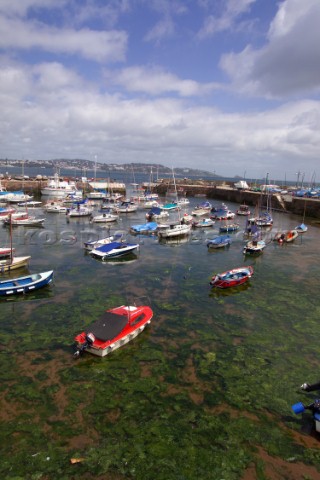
[232,278]
[115,328]
[113,249]
[286,237]
[25,284]
[219,242]
[254,247]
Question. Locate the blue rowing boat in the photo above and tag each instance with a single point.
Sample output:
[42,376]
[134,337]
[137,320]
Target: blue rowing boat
[25,284]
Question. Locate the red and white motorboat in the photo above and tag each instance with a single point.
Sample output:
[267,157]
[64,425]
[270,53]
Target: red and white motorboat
[232,278]
[115,328]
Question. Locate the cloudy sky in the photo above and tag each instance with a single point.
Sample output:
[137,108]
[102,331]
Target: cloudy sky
[229,86]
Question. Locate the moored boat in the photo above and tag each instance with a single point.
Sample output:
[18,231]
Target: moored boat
[113,249]
[146,228]
[220,241]
[254,247]
[91,244]
[302,228]
[230,227]
[115,328]
[25,284]
[13,263]
[243,210]
[174,229]
[232,278]
[286,237]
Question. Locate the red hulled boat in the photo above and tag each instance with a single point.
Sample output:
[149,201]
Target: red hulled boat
[232,278]
[115,328]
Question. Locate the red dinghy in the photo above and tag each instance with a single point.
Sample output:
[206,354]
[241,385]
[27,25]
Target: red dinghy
[232,278]
[115,328]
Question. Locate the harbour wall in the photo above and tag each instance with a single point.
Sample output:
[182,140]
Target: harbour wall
[308,207]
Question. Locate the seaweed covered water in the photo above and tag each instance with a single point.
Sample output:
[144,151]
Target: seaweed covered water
[204,392]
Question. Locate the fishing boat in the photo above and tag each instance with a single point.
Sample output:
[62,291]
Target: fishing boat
[112,330]
[286,237]
[25,284]
[113,249]
[220,241]
[232,278]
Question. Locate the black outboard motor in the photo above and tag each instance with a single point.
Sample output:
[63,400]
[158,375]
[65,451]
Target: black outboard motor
[90,338]
[314,407]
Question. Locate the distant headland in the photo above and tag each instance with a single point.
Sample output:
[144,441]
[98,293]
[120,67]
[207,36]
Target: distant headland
[90,165]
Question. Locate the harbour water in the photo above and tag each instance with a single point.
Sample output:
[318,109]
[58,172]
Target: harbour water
[205,392]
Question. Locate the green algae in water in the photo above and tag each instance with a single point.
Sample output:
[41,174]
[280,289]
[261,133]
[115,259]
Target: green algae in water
[211,380]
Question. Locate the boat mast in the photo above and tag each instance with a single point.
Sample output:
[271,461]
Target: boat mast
[11,246]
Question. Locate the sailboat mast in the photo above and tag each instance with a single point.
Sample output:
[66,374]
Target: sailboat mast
[11,246]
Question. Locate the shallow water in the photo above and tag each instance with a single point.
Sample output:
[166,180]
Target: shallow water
[206,391]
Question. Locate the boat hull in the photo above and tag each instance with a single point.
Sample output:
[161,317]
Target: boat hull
[17,262]
[232,278]
[25,284]
[109,334]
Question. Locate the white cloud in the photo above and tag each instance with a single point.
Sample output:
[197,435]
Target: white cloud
[233,9]
[21,7]
[74,119]
[95,45]
[156,81]
[289,64]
